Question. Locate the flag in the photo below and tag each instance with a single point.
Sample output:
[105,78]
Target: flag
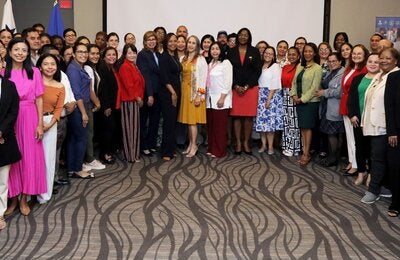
[56,26]
[8,18]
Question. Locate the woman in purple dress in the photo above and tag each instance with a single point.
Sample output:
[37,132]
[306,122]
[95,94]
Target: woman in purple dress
[28,176]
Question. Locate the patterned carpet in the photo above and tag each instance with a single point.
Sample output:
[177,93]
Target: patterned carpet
[238,207]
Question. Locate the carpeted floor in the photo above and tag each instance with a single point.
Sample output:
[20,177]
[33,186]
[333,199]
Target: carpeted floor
[238,207]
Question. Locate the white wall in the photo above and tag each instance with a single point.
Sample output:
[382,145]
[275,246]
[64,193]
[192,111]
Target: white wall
[268,20]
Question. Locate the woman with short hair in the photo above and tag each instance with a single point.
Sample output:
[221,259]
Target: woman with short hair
[131,95]
[247,64]
[53,102]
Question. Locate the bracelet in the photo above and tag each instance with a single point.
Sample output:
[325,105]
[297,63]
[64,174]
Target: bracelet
[246,87]
[201,91]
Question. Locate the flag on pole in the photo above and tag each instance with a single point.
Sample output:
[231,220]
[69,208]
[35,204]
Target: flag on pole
[8,18]
[56,26]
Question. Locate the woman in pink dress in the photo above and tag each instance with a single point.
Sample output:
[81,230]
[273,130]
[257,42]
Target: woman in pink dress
[28,176]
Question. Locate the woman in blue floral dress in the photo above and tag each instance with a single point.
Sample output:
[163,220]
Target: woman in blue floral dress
[269,109]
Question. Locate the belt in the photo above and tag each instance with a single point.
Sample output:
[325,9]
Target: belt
[48,113]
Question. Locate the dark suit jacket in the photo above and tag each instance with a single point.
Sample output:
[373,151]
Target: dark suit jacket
[353,103]
[150,71]
[250,71]
[392,104]
[108,87]
[9,106]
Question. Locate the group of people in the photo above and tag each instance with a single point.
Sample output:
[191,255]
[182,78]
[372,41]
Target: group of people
[67,94]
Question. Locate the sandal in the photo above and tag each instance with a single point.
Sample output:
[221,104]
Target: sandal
[393,213]
[305,159]
[108,159]
[83,175]
[3,223]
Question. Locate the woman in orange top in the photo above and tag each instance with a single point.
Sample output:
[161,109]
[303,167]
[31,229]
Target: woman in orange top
[53,102]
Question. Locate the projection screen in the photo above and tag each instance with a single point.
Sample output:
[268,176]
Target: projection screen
[269,20]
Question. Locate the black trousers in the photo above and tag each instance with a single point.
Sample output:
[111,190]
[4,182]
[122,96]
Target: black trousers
[363,149]
[149,122]
[378,163]
[169,115]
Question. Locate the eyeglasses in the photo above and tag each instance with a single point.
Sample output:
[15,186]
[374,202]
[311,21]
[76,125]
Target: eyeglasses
[81,52]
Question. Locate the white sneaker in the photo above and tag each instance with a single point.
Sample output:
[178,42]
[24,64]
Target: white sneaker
[95,165]
[287,153]
[86,167]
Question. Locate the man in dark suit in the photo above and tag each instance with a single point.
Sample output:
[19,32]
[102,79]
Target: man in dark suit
[9,152]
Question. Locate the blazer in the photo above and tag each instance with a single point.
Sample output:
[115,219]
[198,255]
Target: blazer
[250,71]
[9,107]
[332,95]
[131,82]
[392,104]
[150,71]
[353,102]
[377,114]
[170,73]
[108,87]
[346,87]
[311,82]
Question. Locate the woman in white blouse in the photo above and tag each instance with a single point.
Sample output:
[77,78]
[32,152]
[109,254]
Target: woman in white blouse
[219,100]
[374,123]
[269,109]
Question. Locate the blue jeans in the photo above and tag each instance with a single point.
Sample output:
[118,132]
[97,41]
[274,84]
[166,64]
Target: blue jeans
[76,141]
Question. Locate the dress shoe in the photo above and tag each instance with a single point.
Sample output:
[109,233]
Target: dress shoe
[348,173]
[62,182]
[147,153]
[248,152]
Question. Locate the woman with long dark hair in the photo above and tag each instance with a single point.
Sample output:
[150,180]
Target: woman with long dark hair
[306,81]
[109,114]
[219,100]
[91,163]
[27,176]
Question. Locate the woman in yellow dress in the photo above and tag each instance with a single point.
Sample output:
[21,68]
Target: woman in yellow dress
[193,107]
